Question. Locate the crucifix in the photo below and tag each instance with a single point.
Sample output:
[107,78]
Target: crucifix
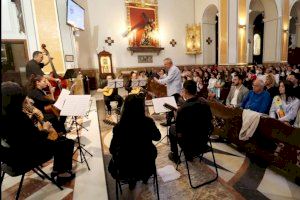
[109,41]
[209,41]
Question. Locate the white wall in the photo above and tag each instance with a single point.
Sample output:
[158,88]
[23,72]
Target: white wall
[208,30]
[108,19]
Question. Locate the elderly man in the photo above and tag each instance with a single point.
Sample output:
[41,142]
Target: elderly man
[173,82]
[257,99]
[173,79]
[237,92]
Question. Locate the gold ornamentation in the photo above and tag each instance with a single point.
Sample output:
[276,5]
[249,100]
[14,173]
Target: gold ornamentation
[193,39]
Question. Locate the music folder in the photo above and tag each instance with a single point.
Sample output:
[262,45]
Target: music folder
[158,104]
[71,73]
[76,105]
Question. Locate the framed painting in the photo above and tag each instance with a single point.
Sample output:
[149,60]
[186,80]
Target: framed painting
[142,23]
[105,63]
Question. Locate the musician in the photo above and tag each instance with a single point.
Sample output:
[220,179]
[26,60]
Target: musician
[28,144]
[132,149]
[34,66]
[41,100]
[113,97]
[173,82]
[193,123]
[133,76]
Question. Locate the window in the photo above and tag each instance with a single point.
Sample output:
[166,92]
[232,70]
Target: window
[257,44]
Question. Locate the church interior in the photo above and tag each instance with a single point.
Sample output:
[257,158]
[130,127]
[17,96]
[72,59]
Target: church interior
[150,99]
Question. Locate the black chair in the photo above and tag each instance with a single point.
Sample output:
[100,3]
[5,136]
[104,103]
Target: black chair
[121,181]
[20,169]
[200,156]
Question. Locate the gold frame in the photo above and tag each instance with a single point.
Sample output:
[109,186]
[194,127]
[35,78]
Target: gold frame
[193,35]
[142,5]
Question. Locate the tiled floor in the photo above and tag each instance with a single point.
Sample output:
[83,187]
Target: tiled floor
[247,178]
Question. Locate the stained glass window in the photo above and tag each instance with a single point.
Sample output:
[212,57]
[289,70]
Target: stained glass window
[257,44]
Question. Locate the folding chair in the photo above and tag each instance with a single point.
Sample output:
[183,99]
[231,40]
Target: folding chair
[200,156]
[120,182]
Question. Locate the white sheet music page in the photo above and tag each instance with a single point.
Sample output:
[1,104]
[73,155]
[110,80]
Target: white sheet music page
[61,99]
[158,104]
[76,105]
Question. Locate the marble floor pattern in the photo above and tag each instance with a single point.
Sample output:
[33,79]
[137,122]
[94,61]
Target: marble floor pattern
[87,185]
[247,179]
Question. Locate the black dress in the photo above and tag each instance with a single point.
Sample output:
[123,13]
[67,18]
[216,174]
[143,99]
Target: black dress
[133,151]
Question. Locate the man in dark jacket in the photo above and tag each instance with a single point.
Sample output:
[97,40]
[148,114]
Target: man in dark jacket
[193,124]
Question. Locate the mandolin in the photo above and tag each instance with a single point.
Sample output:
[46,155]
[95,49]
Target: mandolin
[58,85]
[109,122]
[38,119]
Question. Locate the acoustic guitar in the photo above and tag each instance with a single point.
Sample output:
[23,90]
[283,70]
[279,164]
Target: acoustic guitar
[107,91]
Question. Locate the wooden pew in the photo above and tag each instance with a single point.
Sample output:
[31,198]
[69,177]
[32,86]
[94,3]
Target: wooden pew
[273,142]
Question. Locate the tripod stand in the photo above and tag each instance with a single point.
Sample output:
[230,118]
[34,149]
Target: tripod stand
[80,147]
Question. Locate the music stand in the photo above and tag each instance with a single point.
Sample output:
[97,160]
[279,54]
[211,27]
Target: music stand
[76,106]
[71,73]
[158,105]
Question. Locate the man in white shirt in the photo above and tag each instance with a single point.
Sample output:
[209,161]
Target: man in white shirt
[173,79]
[174,84]
[237,92]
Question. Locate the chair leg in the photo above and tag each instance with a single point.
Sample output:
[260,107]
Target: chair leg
[156,183]
[49,178]
[40,175]
[209,181]
[117,190]
[179,159]
[20,187]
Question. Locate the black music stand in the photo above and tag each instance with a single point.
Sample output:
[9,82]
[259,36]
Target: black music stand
[71,73]
[158,105]
[75,106]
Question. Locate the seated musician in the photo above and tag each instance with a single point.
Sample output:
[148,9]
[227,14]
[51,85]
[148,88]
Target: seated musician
[132,149]
[193,124]
[128,87]
[110,94]
[42,101]
[285,106]
[28,144]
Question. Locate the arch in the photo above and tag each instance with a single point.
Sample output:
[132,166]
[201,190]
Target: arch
[209,30]
[271,41]
[294,33]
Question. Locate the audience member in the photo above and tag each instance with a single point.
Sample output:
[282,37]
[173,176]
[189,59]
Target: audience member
[257,99]
[237,92]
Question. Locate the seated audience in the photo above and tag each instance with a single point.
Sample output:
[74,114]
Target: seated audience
[285,106]
[237,92]
[201,88]
[295,79]
[270,85]
[133,153]
[110,94]
[193,124]
[27,144]
[257,99]
[162,74]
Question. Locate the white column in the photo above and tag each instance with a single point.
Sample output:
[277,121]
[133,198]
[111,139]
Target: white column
[233,32]
[298,35]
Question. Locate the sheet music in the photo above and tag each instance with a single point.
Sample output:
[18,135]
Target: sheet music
[134,83]
[76,105]
[158,104]
[119,83]
[61,99]
[111,83]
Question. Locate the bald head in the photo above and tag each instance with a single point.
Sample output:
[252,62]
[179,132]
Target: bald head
[168,63]
[258,86]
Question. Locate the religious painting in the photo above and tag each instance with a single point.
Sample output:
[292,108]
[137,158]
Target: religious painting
[142,23]
[105,63]
[193,39]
